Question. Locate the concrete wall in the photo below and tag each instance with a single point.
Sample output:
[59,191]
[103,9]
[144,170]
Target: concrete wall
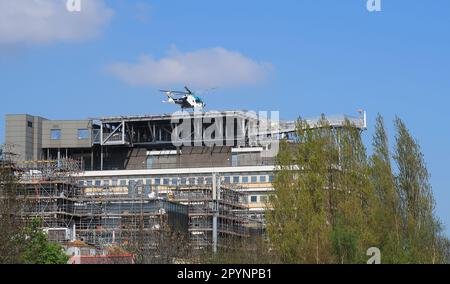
[69,134]
[193,157]
[37,138]
[30,134]
[23,132]
[254,159]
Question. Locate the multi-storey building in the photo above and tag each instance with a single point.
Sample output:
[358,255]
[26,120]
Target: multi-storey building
[168,154]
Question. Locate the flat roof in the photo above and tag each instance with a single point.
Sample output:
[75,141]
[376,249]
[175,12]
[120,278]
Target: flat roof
[180,115]
[177,171]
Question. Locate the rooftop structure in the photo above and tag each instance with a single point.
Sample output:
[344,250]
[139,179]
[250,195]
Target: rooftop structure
[178,140]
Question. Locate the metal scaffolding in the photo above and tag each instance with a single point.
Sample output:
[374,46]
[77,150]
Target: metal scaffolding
[209,214]
[217,212]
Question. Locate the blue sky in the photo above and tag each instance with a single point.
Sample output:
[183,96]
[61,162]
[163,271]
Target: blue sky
[301,57]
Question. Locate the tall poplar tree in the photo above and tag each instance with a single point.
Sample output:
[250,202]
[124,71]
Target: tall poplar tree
[388,219]
[332,202]
[421,230]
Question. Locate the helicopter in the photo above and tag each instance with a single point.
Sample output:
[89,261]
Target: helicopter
[186,99]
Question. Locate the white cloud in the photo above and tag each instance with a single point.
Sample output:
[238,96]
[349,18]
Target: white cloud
[42,21]
[213,67]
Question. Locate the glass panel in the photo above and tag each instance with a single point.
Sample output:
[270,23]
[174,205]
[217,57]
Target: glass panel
[234,160]
[149,163]
[55,134]
[83,134]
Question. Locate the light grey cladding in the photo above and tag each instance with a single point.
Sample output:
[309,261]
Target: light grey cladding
[23,133]
[69,134]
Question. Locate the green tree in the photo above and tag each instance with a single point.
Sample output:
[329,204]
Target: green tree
[388,222]
[300,225]
[421,228]
[353,192]
[38,250]
[332,202]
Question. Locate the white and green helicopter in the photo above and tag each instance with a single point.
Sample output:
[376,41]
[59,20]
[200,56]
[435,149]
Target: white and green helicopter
[186,99]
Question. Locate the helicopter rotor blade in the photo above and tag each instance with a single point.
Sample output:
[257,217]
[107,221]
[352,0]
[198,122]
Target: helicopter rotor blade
[189,92]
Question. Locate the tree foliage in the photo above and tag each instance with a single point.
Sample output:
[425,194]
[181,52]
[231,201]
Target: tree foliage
[38,250]
[332,202]
[11,206]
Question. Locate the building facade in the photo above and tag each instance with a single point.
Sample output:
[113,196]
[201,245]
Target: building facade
[174,157]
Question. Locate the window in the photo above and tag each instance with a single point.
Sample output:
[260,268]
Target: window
[30,124]
[234,160]
[149,163]
[166,181]
[114,182]
[209,180]
[89,183]
[55,134]
[262,178]
[183,181]
[236,179]
[98,182]
[253,199]
[83,134]
[106,182]
[191,181]
[174,181]
[227,180]
[244,179]
[148,181]
[157,181]
[123,182]
[254,179]
[81,183]
[271,178]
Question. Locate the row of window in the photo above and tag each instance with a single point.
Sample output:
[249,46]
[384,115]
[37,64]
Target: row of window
[258,199]
[177,181]
[55,134]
